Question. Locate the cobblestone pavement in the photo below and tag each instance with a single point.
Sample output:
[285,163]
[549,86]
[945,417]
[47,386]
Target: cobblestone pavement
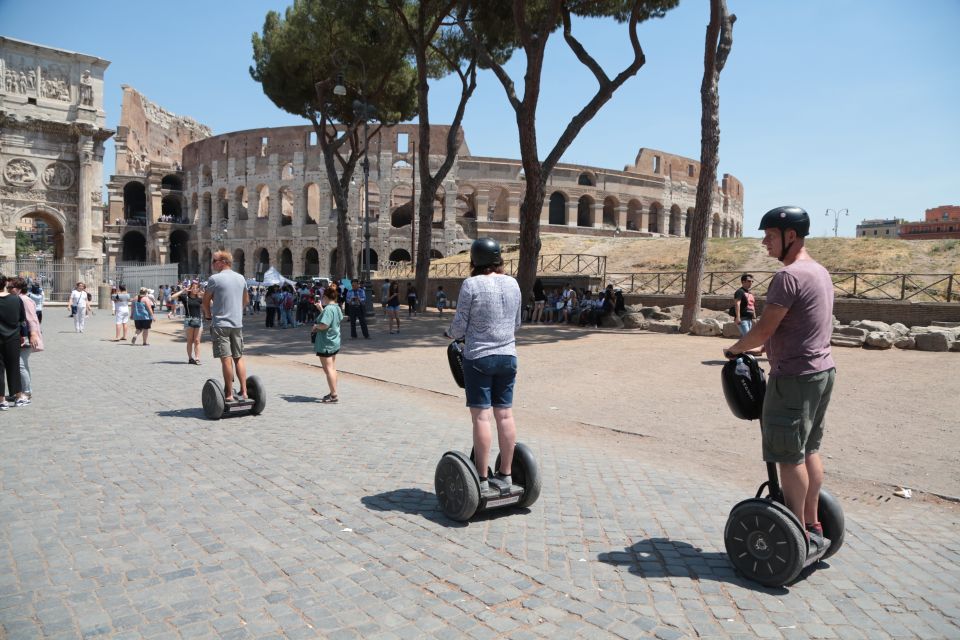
[125,514]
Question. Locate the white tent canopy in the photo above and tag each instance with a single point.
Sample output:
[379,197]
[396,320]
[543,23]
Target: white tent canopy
[272,276]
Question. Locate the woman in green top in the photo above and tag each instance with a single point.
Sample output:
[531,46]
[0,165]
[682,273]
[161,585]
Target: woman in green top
[326,339]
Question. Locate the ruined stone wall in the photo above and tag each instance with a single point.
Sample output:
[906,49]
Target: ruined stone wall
[149,134]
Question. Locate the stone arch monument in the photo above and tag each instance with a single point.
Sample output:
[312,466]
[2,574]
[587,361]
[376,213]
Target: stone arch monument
[52,131]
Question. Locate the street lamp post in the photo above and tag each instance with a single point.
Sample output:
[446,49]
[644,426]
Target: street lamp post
[361,108]
[836,218]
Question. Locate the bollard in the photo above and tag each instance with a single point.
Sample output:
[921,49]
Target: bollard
[103,297]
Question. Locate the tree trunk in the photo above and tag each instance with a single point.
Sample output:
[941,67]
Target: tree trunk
[718,43]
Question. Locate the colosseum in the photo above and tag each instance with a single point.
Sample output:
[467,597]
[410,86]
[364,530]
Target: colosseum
[263,195]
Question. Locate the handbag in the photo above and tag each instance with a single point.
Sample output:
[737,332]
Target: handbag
[196,323]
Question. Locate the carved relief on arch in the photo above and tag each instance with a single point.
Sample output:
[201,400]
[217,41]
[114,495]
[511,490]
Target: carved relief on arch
[58,175]
[20,172]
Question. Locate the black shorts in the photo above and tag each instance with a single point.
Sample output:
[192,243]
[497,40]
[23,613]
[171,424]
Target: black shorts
[328,355]
[142,324]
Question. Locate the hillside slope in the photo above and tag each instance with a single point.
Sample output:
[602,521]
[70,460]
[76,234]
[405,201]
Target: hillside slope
[625,255]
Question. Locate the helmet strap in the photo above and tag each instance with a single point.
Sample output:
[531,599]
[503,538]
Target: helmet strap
[784,247]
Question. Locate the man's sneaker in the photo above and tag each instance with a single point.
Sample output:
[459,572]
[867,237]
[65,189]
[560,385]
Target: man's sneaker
[21,402]
[4,406]
[484,483]
[133,340]
[506,479]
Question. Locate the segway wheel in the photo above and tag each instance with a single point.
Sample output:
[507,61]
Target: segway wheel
[213,400]
[456,488]
[764,542]
[831,519]
[525,473]
[256,393]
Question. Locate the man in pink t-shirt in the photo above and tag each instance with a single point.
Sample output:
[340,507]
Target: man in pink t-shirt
[795,331]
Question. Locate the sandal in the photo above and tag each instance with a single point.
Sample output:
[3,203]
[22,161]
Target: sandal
[329,399]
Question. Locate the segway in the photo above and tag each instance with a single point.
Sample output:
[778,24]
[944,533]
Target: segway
[457,482]
[764,539]
[215,405]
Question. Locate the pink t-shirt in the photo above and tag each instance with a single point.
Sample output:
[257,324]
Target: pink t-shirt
[801,344]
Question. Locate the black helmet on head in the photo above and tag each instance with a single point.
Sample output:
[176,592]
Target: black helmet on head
[744,385]
[485,252]
[784,218]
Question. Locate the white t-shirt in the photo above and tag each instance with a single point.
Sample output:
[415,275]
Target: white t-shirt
[78,298]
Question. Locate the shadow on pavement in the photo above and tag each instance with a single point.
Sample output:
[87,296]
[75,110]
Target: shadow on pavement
[290,398]
[193,412]
[666,558]
[414,501]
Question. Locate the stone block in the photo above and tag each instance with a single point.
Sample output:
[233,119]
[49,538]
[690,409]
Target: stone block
[703,327]
[611,321]
[873,325]
[634,321]
[880,339]
[899,329]
[933,341]
[955,345]
[731,330]
[660,315]
[843,340]
[905,342]
[850,331]
[664,326]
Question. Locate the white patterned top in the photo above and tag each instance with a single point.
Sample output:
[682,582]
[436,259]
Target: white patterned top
[488,314]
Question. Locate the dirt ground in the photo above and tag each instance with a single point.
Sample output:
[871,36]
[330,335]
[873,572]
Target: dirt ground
[893,420]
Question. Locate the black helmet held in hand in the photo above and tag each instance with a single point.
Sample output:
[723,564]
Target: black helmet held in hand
[784,218]
[485,252]
[744,385]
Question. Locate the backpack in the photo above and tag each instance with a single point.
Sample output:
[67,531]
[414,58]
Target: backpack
[287,301]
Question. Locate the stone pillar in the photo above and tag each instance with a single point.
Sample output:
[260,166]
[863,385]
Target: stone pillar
[622,217]
[597,215]
[572,207]
[514,213]
[273,212]
[683,225]
[481,203]
[232,211]
[663,222]
[85,186]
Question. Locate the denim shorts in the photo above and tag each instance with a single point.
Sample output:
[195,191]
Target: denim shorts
[489,381]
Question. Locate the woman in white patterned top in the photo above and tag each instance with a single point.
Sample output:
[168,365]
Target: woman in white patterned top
[487,317]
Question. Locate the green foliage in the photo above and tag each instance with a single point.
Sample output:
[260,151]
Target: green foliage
[24,245]
[299,57]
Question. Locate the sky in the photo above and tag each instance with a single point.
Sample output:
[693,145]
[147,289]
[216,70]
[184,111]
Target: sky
[824,104]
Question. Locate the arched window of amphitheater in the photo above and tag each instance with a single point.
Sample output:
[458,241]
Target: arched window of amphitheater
[239,262]
[498,205]
[634,216]
[286,206]
[311,262]
[558,208]
[241,199]
[263,201]
[653,218]
[587,179]
[311,192]
[610,206]
[585,211]
[286,173]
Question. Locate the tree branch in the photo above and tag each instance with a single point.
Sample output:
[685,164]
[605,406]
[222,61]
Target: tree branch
[486,58]
[585,58]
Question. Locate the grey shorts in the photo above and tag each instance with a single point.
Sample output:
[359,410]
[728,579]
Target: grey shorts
[793,415]
[227,342]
